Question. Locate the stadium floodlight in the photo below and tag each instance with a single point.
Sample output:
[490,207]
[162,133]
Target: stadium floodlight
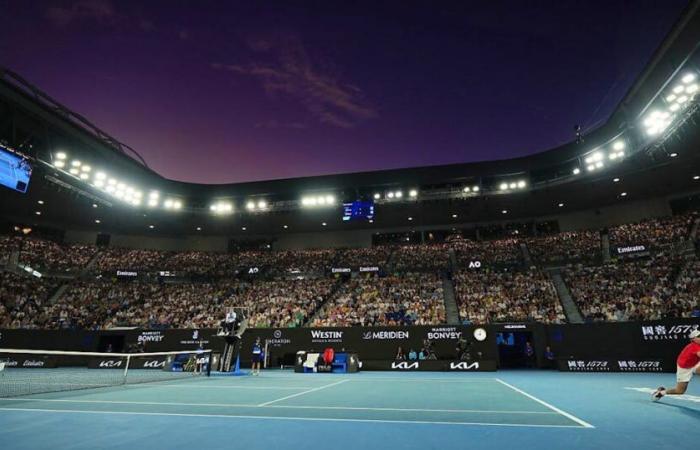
[576,171]
[688,78]
[153,202]
[154,194]
[475,188]
[521,184]
[503,186]
[38,213]
[330,199]
[59,164]
[398,194]
[390,195]
[136,201]
[109,189]
[250,206]
[285,227]
[377,196]
[41,202]
[561,205]
[221,208]
[619,145]
[466,189]
[696,177]
[454,216]
[86,168]
[624,194]
[262,204]
[505,211]
[151,227]
[75,163]
[692,89]
[413,193]
[673,155]
[74,171]
[112,182]
[321,200]
[671,98]
[84,176]
[513,185]
[324,224]
[177,204]
[678,89]
[410,219]
[97,220]
[60,155]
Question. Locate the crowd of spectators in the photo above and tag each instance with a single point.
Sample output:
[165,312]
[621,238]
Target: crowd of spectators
[485,296]
[496,252]
[657,233]
[420,258]
[408,299]
[565,247]
[634,290]
[23,300]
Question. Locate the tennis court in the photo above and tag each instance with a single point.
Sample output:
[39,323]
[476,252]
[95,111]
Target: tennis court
[409,410]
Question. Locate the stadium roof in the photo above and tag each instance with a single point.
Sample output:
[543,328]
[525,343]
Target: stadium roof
[636,145]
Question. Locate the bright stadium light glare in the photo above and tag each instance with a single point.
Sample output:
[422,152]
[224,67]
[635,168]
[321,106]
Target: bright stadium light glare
[177,204]
[84,176]
[60,155]
[152,202]
[390,195]
[100,176]
[250,206]
[321,200]
[475,189]
[513,185]
[112,182]
[618,145]
[413,193]
[75,163]
[692,89]
[678,89]
[521,184]
[670,98]
[682,99]
[675,107]
[688,78]
[576,171]
[466,189]
[599,165]
[398,194]
[74,171]
[262,204]
[109,189]
[86,168]
[590,167]
[153,194]
[330,199]
[59,164]
[503,186]
[377,196]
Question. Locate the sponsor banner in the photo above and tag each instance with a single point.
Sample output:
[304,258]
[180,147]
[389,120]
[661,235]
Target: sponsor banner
[430,365]
[613,365]
[444,333]
[474,265]
[369,268]
[253,270]
[147,363]
[667,331]
[167,273]
[630,249]
[383,335]
[340,270]
[196,337]
[323,336]
[278,339]
[14,361]
[107,363]
[150,336]
[126,274]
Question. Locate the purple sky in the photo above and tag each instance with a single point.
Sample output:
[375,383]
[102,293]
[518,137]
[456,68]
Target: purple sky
[217,92]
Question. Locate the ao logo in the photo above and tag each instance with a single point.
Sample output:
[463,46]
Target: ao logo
[475,264]
[277,334]
[464,365]
[253,270]
[404,365]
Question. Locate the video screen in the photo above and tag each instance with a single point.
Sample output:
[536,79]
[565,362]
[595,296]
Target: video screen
[358,211]
[15,171]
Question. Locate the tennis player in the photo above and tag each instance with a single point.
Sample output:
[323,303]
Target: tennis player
[257,356]
[687,364]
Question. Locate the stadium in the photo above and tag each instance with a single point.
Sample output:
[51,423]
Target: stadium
[540,299]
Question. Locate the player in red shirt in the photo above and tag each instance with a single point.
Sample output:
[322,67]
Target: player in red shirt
[687,364]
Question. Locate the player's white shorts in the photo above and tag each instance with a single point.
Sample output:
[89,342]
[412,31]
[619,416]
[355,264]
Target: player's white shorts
[684,375]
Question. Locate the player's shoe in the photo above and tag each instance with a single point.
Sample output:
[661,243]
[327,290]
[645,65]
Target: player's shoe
[660,392]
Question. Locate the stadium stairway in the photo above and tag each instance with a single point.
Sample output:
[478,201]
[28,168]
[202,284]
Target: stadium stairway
[605,247]
[573,315]
[448,290]
[322,307]
[453,260]
[694,230]
[526,254]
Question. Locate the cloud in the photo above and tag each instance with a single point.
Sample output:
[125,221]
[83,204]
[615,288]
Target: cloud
[102,12]
[99,10]
[274,124]
[291,73]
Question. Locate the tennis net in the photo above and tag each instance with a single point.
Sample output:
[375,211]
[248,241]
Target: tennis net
[26,372]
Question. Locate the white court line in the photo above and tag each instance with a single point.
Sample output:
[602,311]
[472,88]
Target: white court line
[305,392]
[312,419]
[248,405]
[542,402]
[204,386]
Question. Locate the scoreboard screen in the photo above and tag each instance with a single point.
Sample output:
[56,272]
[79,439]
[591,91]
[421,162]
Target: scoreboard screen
[15,170]
[358,211]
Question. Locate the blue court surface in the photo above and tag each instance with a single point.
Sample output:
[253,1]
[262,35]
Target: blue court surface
[283,410]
